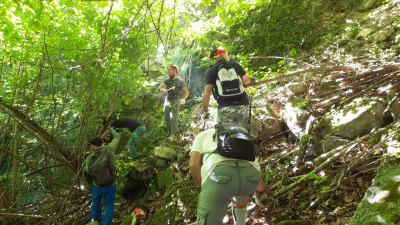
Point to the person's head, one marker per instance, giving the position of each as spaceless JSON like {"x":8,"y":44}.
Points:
{"x":172,"y":71}
{"x":219,"y":53}
{"x":95,"y":142}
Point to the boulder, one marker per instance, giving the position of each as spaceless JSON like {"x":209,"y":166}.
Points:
{"x":370,"y":4}
{"x":381,"y":201}
{"x":296,"y":88}
{"x":395,"y":109}
{"x":164,"y":152}
{"x":140,"y":166}
{"x":295,"y":118}
{"x":365,"y":33}
{"x":160,"y":163}
{"x":393,"y":148}
{"x":295,"y":222}
{"x":393,"y":144}
{"x":357,"y":118}
{"x":397,"y":39}
{"x":383,"y":34}
{"x":332,"y":142}
{"x":265,"y":126}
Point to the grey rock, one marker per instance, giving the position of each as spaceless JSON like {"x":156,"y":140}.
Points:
{"x":296,"y":88}
{"x":357,"y":118}
{"x":164,"y":152}
{"x":332,"y":142}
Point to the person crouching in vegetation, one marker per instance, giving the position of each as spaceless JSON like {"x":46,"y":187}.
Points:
{"x":135,"y":128}
{"x":99,"y":171}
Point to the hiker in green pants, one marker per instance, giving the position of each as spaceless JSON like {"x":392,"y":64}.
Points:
{"x":177,"y":93}
{"x":223,"y":180}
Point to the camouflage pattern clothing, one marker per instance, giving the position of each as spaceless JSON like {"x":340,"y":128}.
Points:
{"x":234,"y":114}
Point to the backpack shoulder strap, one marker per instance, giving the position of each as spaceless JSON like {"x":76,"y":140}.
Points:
{"x":221,"y":64}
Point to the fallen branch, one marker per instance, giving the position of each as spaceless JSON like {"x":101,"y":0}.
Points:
{"x":281,"y":58}
{"x":297,"y":73}
{"x":63,"y":154}
{"x":23,"y":162}
{"x":9,"y":214}
{"x":328,"y":158}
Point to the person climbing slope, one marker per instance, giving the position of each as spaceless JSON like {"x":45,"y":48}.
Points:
{"x":99,"y":171}
{"x":227,"y":80}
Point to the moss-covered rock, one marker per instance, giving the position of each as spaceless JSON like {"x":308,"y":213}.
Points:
{"x":164,"y":152}
{"x":182,"y":204}
{"x":381,"y":202}
{"x":357,"y":118}
{"x":295,"y":222}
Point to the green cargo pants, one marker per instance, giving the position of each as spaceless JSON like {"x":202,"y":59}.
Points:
{"x":171,"y":115}
{"x":226,"y":183}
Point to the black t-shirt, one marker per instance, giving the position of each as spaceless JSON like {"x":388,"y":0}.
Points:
{"x":211,"y":78}
{"x":174,"y":88}
{"x":130,"y":124}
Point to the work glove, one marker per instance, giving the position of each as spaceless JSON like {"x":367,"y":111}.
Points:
{"x":182,"y":101}
{"x":261,"y":200}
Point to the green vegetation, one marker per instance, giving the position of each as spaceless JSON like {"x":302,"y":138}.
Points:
{"x":64,"y":65}
{"x":380,"y":202}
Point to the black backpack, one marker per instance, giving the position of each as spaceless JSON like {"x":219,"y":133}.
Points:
{"x":228,"y":84}
{"x":235,"y":142}
{"x":101,"y":167}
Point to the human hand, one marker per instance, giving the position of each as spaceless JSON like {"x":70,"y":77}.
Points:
{"x":261,"y":200}
{"x":182,"y":101}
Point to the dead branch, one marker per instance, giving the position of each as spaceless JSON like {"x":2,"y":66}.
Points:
{"x":297,"y":73}
{"x":355,"y":85}
{"x":283,"y":58}
{"x":20,"y":214}
{"x":45,"y":168}
{"x":328,"y":158}
{"x":64,"y":155}
{"x":48,"y":178}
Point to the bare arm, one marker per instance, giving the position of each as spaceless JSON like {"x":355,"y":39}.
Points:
{"x":162,"y":86}
{"x":195,"y":167}
{"x":206,"y":96}
{"x":246,"y":80}
{"x":185,"y":92}
{"x":260,"y":188}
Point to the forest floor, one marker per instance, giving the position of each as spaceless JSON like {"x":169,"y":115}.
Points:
{"x":312,"y":201}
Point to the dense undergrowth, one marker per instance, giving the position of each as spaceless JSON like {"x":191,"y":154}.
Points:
{"x":65,"y":66}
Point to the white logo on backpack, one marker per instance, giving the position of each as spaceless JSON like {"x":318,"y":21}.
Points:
{"x":228,"y":83}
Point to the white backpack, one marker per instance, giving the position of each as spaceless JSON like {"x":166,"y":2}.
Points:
{"x":229,"y":84}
